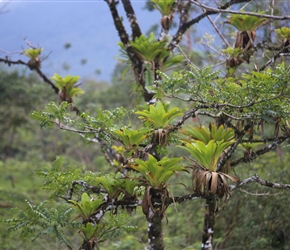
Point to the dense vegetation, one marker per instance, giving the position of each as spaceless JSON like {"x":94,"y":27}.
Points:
{"x":183,"y":150}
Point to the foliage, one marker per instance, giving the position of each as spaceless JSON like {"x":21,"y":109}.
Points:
{"x":33,"y":53}
{"x":283,"y":32}
{"x":213,"y":133}
{"x":245,"y":22}
{"x":131,"y":138}
{"x":41,"y":220}
{"x":51,"y":113}
{"x":207,"y":147}
{"x":159,"y":115}
{"x":110,"y":225}
{"x":156,"y":172}
{"x":207,"y":154}
{"x":164,"y":7}
{"x":67,"y":87}
{"x":67,"y":82}
{"x":151,"y":50}
{"x":118,"y":185}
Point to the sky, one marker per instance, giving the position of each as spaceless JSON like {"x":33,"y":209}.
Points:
{"x":50,"y":24}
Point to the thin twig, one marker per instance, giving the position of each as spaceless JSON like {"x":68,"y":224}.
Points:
{"x":262,"y":151}
{"x":214,"y":10}
{"x":274,"y":58}
{"x":187,"y":58}
{"x":218,"y":31}
{"x":257,"y":179}
{"x":259,"y":194}
{"x":245,"y":5}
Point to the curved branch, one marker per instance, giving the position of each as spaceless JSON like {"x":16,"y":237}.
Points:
{"x":38,"y":71}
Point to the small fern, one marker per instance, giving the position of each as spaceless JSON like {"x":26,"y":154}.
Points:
{"x":39,"y":218}
{"x":53,"y":113}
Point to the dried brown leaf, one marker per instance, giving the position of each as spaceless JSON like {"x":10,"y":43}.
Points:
{"x":214,"y":182}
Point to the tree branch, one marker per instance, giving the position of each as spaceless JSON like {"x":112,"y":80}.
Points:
{"x":257,"y":179}
{"x":189,"y":114}
{"x":85,"y":185}
{"x":223,"y":10}
{"x":130,"y":203}
{"x":38,"y":71}
{"x":218,"y":31}
{"x":232,"y":149}
{"x":138,"y":64}
{"x":260,"y":152}
{"x":274,"y":58}
{"x":136,"y":31}
{"x":183,"y":27}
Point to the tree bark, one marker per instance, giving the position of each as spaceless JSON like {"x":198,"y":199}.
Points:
{"x":209,"y":221}
{"x":155,"y":235}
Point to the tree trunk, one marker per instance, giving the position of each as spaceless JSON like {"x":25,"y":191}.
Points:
{"x":155,"y":235}
{"x":209,"y":221}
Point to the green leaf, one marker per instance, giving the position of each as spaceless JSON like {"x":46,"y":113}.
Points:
{"x":207,"y":154}
{"x":165,"y":7}
{"x":33,"y":53}
{"x":89,"y":230}
{"x":156,"y":172}
{"x":201,"y":134}
{"x":283,"y":32}
{"x":245,"y":22}
{"x":158,"y":116}
{"x":87,"y":205}
{"x":131,"y":138}
{"x":67,"y":84}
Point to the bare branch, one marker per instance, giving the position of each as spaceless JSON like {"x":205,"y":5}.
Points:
{"x":220,"y":10}
{"x":260,"y":152}
{"x":262,"y":182}
{"x":274,"y":58}
{"x":129,"y":203}
{"x":189,"y":114}
{"x":184,"y":14}
{"x":218,"y":31}
{"x":186,"y":57}
{"x":260,"y":140}
{"x":38,"y":71}
{"x":259,"y":194}
{"x":2,"y":8}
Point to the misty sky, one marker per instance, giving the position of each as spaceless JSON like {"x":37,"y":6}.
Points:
{"x":86,"y":25}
